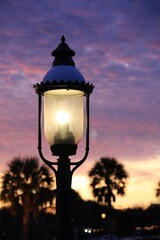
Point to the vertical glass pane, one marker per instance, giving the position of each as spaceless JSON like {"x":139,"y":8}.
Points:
{"x":63,"y":116}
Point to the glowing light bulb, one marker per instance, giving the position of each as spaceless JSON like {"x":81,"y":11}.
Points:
{"x":62,"y":117}
{"x":63,"y":135}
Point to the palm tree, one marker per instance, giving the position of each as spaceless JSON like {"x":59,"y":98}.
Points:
{"x":108,"y":179}
{"x":158,"y":190}
{"x":26,"y":184}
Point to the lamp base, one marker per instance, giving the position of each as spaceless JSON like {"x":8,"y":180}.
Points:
{"x":63,"y":149}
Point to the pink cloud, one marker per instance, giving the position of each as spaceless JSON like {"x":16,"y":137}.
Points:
{"x":116,"y":49}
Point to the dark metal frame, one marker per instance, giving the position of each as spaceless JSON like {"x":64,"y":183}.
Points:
{"x":87,"y":88}
{"x":65,"y":167}
{"x":51,"y":163}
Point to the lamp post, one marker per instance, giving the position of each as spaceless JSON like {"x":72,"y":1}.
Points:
{"x":64,"y":90}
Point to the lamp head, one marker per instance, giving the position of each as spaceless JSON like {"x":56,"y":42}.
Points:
{"x":63,"y":88}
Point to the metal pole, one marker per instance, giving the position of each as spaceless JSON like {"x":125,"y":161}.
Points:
{"x":63,"y":199}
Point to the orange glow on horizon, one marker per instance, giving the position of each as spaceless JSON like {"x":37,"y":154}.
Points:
{"x":141,"y":185}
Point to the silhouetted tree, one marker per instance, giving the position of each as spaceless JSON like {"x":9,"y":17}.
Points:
{"x":26,"y":184}
{"x":158,"y":190}
{"x":108,"y":179}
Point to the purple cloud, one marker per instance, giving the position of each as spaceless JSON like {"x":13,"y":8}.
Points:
{"x":117,"y":48}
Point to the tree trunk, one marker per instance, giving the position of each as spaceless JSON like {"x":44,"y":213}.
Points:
{"x":26,"y":215}
{"x":25,"y":230}
{"x":110,"y":213}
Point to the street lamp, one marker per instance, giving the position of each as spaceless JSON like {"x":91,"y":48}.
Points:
{"x":64,"y":90}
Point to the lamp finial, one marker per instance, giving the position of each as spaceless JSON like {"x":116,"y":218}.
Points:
{"x":63,"y":39}
{"x":63,"y":54}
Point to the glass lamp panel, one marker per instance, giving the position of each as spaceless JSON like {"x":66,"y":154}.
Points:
{"x":63,"y":116}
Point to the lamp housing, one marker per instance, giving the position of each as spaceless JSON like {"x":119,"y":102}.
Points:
{"x":64,"y":89}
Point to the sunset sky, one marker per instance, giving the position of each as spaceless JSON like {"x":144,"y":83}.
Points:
{"x":117,"y":45}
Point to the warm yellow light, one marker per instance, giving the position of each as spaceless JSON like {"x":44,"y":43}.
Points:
{"x":103,"y":215}
{"x":62,"y":117}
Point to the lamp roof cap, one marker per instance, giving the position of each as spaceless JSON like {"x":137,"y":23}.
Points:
{"x":63,"y":54}
{"x":63,"y":73}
